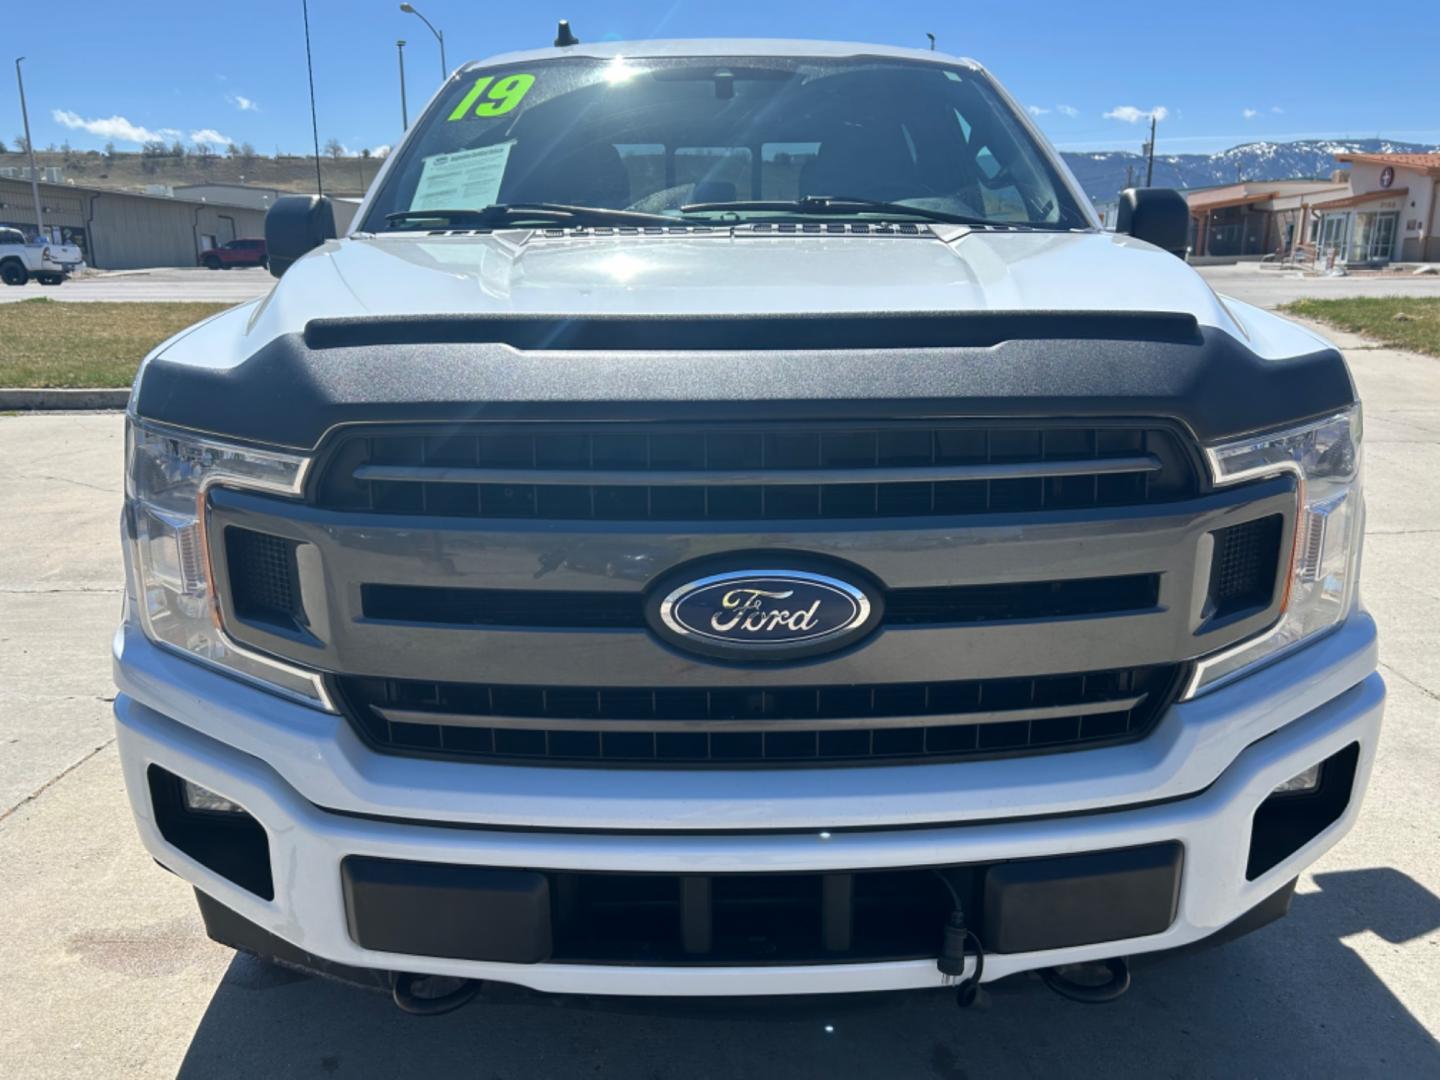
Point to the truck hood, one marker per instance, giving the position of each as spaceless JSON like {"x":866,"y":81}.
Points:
{"x":944,"y":269}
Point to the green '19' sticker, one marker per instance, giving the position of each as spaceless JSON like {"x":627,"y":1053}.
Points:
{"x":500,"y":96}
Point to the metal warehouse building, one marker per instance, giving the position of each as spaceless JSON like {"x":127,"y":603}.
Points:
{"x":123,"y":230}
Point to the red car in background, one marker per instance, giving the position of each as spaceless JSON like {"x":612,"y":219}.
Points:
{"x":236,"y":253}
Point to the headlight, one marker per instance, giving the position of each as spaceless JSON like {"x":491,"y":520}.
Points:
{"x":166,"y":477}
{"x":1325,"y":456}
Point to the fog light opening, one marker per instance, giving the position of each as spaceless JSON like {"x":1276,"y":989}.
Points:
{"x":1300,"y":809}
{"x":217,"y":833}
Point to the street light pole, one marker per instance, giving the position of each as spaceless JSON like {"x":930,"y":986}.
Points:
{"x":409,"y":9}
{"x":30,"y":148}
{"x":404,"y":109}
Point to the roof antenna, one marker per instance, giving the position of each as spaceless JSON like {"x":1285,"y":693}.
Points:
{"x":932,"y":40}
{"x":563,"y":37}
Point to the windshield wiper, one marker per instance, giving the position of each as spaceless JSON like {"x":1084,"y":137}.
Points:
{"x":839,"y":204}
{"x":502,"y":213}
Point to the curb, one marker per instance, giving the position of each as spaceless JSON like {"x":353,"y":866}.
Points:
{"x":63,"y":400}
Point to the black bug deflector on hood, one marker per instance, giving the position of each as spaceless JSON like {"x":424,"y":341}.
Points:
{"x":1055,"y":364}
{"x":935,"y":330}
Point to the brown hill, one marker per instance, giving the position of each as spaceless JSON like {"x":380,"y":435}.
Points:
{"x":134,"y":171}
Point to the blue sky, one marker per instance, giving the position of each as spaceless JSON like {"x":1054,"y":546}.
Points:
{"x":1219,"y":73}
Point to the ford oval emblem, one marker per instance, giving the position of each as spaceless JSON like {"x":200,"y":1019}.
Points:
{"x":765,"y":614}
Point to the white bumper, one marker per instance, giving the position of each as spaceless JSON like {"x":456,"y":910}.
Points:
{"x":1197,"y":779}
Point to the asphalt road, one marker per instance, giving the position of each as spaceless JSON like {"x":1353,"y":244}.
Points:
{"x":1266,"y":288}
{"x":173,"y":283}
{"x":107,"y":972}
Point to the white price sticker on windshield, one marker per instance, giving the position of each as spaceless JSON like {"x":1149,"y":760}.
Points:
{"x":466,"y":180}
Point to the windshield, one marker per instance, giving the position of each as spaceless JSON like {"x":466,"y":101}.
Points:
{"x":720,"y":141}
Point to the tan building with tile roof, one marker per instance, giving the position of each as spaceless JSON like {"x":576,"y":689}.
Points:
{"x":1389,"y":211}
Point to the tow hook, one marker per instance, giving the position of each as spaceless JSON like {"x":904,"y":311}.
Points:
{"x":431,"y":995}
{"x":1087,"y":990}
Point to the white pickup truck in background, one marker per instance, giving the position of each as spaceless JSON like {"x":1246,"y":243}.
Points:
{"x":49,"y":264}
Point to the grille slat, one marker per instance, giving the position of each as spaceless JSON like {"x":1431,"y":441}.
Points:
{"x":553,"y":723}
{"x":758,"y":726}
{"x":755,"y":472}
{"x":941,"y":605}
{"x":1024,"y":470}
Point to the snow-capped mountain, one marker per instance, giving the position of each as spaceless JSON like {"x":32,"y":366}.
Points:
{"x":1102,"y":172}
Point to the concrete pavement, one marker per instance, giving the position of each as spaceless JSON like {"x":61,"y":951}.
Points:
{"x":1271,"y":288}
{"x":109,"y":973}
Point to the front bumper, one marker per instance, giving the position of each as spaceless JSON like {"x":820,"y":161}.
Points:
{"x":1197,"y":781}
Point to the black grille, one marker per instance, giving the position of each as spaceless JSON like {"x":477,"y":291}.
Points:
{"x":738,"y":473}
{"x":625,"y":610}
{"x":1244,"y":564}
{"x":264,"y":581}
{"x":789,"y":726}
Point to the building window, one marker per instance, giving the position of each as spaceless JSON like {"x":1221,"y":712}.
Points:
{"x":1333,"y":231}
{"x":1372,"y":239}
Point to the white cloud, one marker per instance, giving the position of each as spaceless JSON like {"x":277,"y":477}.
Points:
{"x":119,"y":129}
{"x":1276,"y":109}
{"x":1249,"y":114}
{"x":1131,"y":115}
{"x":109,"y":127}
{"x":383,"y":150}
{"x":1036,"y":110}
{"x":1067,"y":110}
{"x":243,"y":103}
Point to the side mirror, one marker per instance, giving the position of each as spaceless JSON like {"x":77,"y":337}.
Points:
{"x":294,"y":225}
{"x":1159,"y":216}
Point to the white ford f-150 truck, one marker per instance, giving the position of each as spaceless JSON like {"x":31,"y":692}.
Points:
{"x":727,"y":520}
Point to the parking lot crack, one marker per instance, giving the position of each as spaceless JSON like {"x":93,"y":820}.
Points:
{"x":48,"y":784}
{"x":1431,"y":694}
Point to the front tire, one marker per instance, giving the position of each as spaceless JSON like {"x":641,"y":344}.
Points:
{"x":13,"y":272}
{"x":211,"y":264}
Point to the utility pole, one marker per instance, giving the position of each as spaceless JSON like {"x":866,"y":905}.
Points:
{"x":30,"y":149}
{"x":314,"y":124}
{"x":404,"y":109}
{"x":1150,"y":153}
